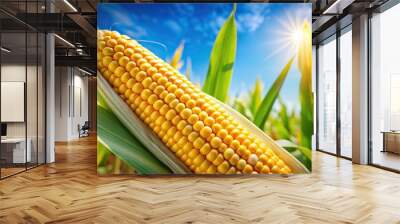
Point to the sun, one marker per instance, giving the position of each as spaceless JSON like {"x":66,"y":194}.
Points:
{"x":290,"y":36}
{"x":296,"y":37}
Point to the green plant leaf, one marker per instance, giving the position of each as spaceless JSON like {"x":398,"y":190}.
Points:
{"x":280,"y":131}
{"x":300,"y":157}
{"x":284,"y":115}
{"x":241,"y":108}
{"x":188,"y":68}
{"x":139,"y":129}
{"x":220,"y":69}
{"x":102,"y":154}
{"x":270,"y":98}
{"x":101,"y":101}
{"x":255,"y":96}
{"x":113,"y":135}
{"x":288,"y":144}
{"x":176,"y":58}
{"x":306,"y":96}
{"x":303,"y":154}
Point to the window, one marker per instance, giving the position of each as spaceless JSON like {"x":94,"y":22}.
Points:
{"x":327,"y":96}
{"x":22,"y":76}
{"x":385,"y":89}
{"x":346,"y":93}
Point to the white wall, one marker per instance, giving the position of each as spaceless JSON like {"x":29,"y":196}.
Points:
{"x":71,"y":102}
{"x":16,"y":72}
{"x":62,"y":81}
{"x":34,"y":125}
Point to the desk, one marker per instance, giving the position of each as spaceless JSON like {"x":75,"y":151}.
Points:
{"x":16,"y":147}
{"x":391,"y":141}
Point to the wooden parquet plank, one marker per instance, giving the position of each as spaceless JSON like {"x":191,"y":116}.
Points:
{"x":69,"y":191}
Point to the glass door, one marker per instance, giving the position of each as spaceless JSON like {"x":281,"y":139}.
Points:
{"x":14,"y":153}
{"x":385,"y":90}
{"x":22,"y":90}
{"x":346,"y":93}
{"x":326,"y":59}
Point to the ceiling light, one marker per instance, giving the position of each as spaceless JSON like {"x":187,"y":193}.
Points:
{"x":5,"y":50}
{"x":65,"y":41}
{"x":338,"y":6}
{"x":70,"y":5}
{"x":84,"y":71}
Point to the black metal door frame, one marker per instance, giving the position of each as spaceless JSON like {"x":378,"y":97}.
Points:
{"x":338,"y":152}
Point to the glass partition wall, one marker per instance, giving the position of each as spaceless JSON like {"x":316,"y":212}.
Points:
{"x":385,"y":90}
{"x":345,"y":91}
{"x":22,"y":77}
{"x":327,"y":96}
{"x":334,"y":94}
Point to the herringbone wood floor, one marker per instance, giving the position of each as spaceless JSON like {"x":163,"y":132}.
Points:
{"x":69,"y":191}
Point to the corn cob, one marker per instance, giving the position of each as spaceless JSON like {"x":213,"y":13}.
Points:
{"x":192,"y":124}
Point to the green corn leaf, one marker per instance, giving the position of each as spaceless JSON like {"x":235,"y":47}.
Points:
{"x":288,"y":144}
{"x":303,"y":154}
{"x":103,"y":155}
{"x":284,"y":115}
{"x":176,"y":61}
{"x":300,"y":157}
{"x":220,"y":69}
{"x":188,"y":68}
{"x":269,"y":99}
{"x":255,"y":96}
{"x":306,"y":96}
{"x":241,"y":108}
{"x":139,"y":129}
{"x":280,"y":131}
{"x":101,"y":101}
{"x":113,"y":135}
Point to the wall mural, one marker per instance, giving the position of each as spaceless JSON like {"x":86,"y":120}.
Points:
{"x":216,"y":88}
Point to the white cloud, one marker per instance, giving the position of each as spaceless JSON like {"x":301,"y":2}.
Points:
{"x":127,"y":20}
{"x":248,"y":19}
{"x":184,"y":8}
{"x":217,"y":23}
{"x":127,"y":24}
{"x":251,"y":18}
{"x":248,"y":22}
{"x":174,"y":26}
{"x":135,"y":32}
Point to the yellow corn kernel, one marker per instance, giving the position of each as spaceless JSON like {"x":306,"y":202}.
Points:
{"x":205,"y":149}
{"x":198,"y":160}
{"x":228,"y":153}
{"x":205,"y":132}
{"x":265,"y":170}
{"x":212,"y":155}
{"x":211,"y":169}
{"x":223,"y":167}
{"x":204,"y":166}
{"x":241,"y":164}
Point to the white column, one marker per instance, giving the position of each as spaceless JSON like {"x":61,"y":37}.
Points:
{"x":50,"y":100}
{"x":50,"y":92}
{"x":360,"y":89}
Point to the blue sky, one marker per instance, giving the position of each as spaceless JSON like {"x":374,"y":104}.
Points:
{"x":262,"y":35}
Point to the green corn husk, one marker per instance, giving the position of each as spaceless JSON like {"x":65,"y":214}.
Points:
{"x":139,"y":129}
{"x":116,"y":138}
